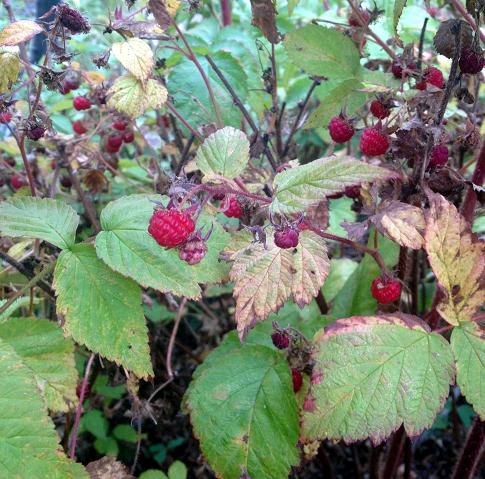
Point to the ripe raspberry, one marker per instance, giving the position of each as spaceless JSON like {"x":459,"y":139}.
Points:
{"x":434,"y":77}
{"x":385,"y":290}
{"x":340,"y":129}
{"x":5,"y":117}
{"x":112,"y":149}
{"x":64,"y":89}
{"x":233,"y":208}
{"x":471,"y":61}
{"x":17,"y":182}
{"x":193,"y":251}
{"x":379,"y":110}
{"x":171,"y":227}
{"x":35,"y":132}
{"x":439,"y":156}
{"x":115,"y":141}
{"x":281,"y":339}
{"x":286,"y":238}
{"x":398,"y":71}
{"x":297,"y":379}
{"x":73,"y":20}
{"x":65,"y":181}
{"x":354,"y":20}
{"x":120,"y":125}
{"x":81,"y":103}
{"x":373,"y":142}
{"x":79,"y":128}
{"x":128,"y":137}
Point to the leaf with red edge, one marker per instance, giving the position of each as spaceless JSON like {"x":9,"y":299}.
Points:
{"x":19,"y":32}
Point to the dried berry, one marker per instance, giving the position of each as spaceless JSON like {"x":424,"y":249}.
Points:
{"x":73,"y":20}
{"x":286,"y":238}
{"x":439,"y":156}
{"x":354,"y":20}
{"x":340,"y":129}
{"x":193,"y":251}
{"x":170,"y":227}
{"x":35,"y":132}
{"x":445,"y":38}
{"x":373,"y":142}
{"x":471,"y":61}
{"x":385,"y":290}
{"x":281,"y":339}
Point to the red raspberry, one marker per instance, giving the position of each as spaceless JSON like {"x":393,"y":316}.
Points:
{"x":120,"y":125}
{"x":35,"y":132}
{"x":352,"y":191}
{"x":5,"y":117}
{"x":17,"y":182}
{"x":398,"y":71}
{"x":373,"y":142}
{"x":286,"y":238}
{"x":81,"y":103}
{"x":128,"y":137}
{"x":233,"y":208}
{"x":111,"y":149}
{"x":439,"y":156}
{"x":281,"y":339}
{"x":193,"y":251}
{"x":64,"y":89}
{"x":385,"y":290}
{"x":115,"y":141}
{"x":354,"y":20}
{"x":170,"y":227}
{"x":379,"y":110}
{"x":471,"y":61}
{"x":79,"y":128}
{"x":297,"y":379}
{"x":434,"y":77}
{"x":340,"y":129}
{"x":65,"y":181}
{"x":72,"y":83}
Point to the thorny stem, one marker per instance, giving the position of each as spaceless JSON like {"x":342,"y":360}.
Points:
{"x":421,"y":43}
{"x":79,"y":409}
{"x":472,"y":452}
{"x":184,"y":122}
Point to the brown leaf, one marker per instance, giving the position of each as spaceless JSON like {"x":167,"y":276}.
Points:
{"x":19,"y":32}
{"x":163,"y":11}
{"x":108,"y":468}
{"x":264,"y":17}
{"x":457,"y":259}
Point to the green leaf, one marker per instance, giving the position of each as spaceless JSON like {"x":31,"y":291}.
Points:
{"x":323,"y":51}
{"x":153,"y":474}
{"x":124,"y":432}
{"x":244,"y":412}
{"x":224,"y":153}
{"x":102,"y":309}
{"x":177,"y":470}
{"x":340,"y":210}
{"x":28,"y":441}
{"x":468,"y":344}
{"x":340,"y":271}
{"x":298,"y":188}
{"x":49,"y":357}
{"x":373,"y":374}
{"x":96,"y":423}
{"x":107,"y":446}
{"x":42,"y":218}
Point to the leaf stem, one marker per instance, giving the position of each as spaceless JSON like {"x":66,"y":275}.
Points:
{"x":184,"y":122}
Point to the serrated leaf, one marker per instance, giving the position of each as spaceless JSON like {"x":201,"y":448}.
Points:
{"x":245,"y":414}
{"x":224,"y":153}
{"x":49,"y":357}
{"x":400,"y":222}
{"x":28,"y":440}
{"x":398,"y":8}
{"x":298,"y":188}
{"x":42,"y":218}
{"x":468,"y":345}
{"x":130,"y":96}
{"x":266,"y":277}
{"x":9,"y":68}
{"x":457,"y":260}
{"x":323,"y":51}
{"x":178,"y":470}
{"x":373,"y":374}
{"x":163,"y":11}
{"x":102,"y":309}
{"x":19,"y":32}
{"x":136,"y":56}
{"x":153,"y":474}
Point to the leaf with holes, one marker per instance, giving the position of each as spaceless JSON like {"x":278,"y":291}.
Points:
{"x":457,"y":259}
{"x":373,"y":374}
{"x":42,"y":218}
{"x":19,"y":32}
{"x":298,"y":188}
{"x":136,"y":56}
{"x":468,"y":345}
{"x":102,"y":309}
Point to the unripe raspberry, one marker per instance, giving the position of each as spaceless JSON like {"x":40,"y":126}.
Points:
{"x":17,"y":182}
{"x":286,"y":238}
{"x":170,"y":227}
{"x":434,"y":77}
{"x":373,"y":142}
{"x":120,"y":125}
{"x":281,"y":339}
{"x":471,"y":61}
{"x":439,"y":156}
{"x":297,"y":379}
{"x":73,"y":20}
{"x":340,"y":129}
{"x":81,"y":103}
{"x":5,"y":117}
{"x":233,"y":208}
{"x":79,"y":128}
{"x":35,"y":132}
{"x":379,"y":110}
{"x":193,"y":251}
{"x":128,"y":137}
{"x":385,"y":290}
{"x":115,"y":141}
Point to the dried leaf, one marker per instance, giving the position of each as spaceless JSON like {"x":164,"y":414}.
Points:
{"x":457,"y":259}
{"x":136,"y":56}
{"x":401,"y":223}
{"x":264,"y":18}
{"x":9,"y":68}
{"x":108,"y":468}
{"x":19,"y":32}
{"x":163,"y":11}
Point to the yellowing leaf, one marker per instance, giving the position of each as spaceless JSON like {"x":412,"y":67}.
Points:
{"x":130,"y":96}
{"x":266,"y":277}
{"x":9,"y":68}
{"x":163,"y":11}
{"x":401,"y":223}
{"x":457,"y":259}
{"x":95,"y":77}
{"x":19,"y":32}
{"x":136,"y":56}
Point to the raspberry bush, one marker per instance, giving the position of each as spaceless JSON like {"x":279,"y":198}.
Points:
{"x":242,"y":240}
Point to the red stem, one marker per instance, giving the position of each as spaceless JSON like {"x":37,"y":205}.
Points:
{"x":470,"y":202}
{"x":182,"y":119}
{"x":472,"y":452}
{"x":226,"y":12}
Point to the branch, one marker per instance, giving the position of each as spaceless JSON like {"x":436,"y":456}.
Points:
{"x":184,"y":122}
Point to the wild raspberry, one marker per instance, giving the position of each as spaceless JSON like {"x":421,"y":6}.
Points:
{"x":73,"y":20}
{"x":352,"y":191}
{"x":354,"y":20}
{"x":79,"y":128}
{"x":373,"y":142}
{"x":128,"y":137}
{"x":72,"y":80}
{"x":439,"y":156}
{"x":431,"y":76}
{"x":193,"y":251}
{"x":398,"y":70}
{"x":379,"y":110}
{"x":81,"y":103}
{"x":65,"y":181}
{"x":64,"y":89}
{"x":297,"y":379}
{"x":471,"y":61}
{"x":35,"y":132}
{"x":17,"y":182}
{"x":281,"y":339}
{"x":340,"y":129}
{"x":170,"y":227}
{"x":286,"y":238}
{"x":115,"y":141}
{"x":233,"y":208}
{"x":5,"y":117}
{"x":385,"y":290}
{"x":120,"y":125}
{"x":112,"y":148}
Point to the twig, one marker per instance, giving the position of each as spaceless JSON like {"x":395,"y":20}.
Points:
{"x":421,"y":43}
{"x":185,"y":155}
{"x":184,"y":122}
{"x":79,"y":409}
{"x":226,"y":12}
